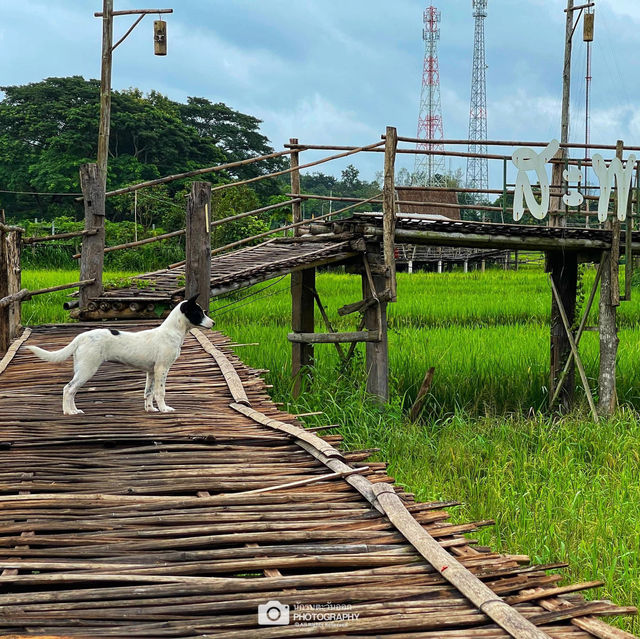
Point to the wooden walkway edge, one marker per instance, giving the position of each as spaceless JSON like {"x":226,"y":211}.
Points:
{"x":121,"y":523}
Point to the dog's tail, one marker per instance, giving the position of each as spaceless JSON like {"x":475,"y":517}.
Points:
{"x":55,"y":356}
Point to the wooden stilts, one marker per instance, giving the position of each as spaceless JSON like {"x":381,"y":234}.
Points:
{"x":563,"y":270}
{"x":303,"y":286}
{"x":377,"y":353}
{"x":574,"y":349}
{"x":609,"y":301}
{"x":579,"y":332}
{"x":608,"y":341}
{"x":4,"y":292}
{"x":92,"y":256}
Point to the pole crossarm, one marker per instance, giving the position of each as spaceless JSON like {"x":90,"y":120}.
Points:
{"x":132,"y":12}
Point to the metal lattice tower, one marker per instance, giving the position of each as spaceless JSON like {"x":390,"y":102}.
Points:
{"x":429,"y":169}
{"x":477,"y":168}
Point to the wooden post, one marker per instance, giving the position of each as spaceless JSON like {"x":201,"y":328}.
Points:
{"x":4,"y":292}
{"x":198,"y":240}
{"x":563,"y":269}
{"x":303,"y":286}
{"x":389,"y":210}
{"x":375,"y":319}
{"x":10,"y":283}
{"x":105,"y":88}
{"x":92,"y":257}
{"x":296,"y":207}
{"x":609,"y":301}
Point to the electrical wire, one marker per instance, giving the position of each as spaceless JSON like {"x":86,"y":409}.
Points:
{"x":252,"y":294}
{"x":284,"y":289}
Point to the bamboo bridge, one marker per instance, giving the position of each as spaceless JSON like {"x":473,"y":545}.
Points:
{"x":197,"y":523}
{"x":120,"y":523}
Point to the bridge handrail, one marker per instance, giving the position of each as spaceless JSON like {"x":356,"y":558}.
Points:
{"x":26,"y":294}
{"x":287,"y":227}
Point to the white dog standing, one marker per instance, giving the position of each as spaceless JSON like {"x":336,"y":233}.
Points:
{"x":153,"y":351}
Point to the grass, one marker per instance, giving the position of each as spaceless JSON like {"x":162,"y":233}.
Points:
{"x":559,"y":489}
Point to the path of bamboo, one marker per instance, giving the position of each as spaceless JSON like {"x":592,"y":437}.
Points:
{"x":119,"y":523}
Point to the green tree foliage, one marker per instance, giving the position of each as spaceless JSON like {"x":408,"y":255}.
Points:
{"x":349,"y":185}
{"x":49,"y":128}
{"x":232,"y":201}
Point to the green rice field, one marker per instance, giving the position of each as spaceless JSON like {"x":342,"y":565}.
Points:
{"x":558,"y":488}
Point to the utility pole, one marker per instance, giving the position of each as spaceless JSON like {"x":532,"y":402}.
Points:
{"x":94,"y":181}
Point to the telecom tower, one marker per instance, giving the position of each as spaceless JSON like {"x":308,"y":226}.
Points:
{"x":429,"y":168}
{"x":477,"y":168}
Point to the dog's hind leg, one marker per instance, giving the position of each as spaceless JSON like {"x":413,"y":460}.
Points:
{"x":84,"y":370}
{"x":160,"y":374}
{"x":148,"y":394}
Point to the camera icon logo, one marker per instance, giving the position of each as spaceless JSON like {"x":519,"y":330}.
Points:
{"x":273,"y":613}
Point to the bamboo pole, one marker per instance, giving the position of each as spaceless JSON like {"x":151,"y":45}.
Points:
{"x":307,"y":482}
{"x":26,"y":294}
{"x":58,"y":236}
{"x":230,"y":165}
{"x":148,"y":240}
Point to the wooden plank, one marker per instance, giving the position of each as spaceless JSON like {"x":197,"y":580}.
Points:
{"x":452,"y":570}
{"x":334,"y":338}
{"x":231,"y":377}
{"x":13,"y":349}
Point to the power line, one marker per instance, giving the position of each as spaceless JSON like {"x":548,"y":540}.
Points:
{"x":36,"y":193}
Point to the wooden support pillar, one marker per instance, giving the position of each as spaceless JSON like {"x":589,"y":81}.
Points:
{"x":389,"y":212}
{"x":92,"y":256}
{"x":608,"y":341}
{"x":375,"y":321}
{"x":198,"y":239}
{"x":303,"y":286}
{"x":377,"y":353}
{"x":609,"y":302}
{"x":10,"y":283}
{"x":563,"y":268}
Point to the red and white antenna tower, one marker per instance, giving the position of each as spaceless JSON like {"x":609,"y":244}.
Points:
{"x":429,"y":168}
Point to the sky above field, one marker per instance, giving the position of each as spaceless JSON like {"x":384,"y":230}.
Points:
{"x":338,"y":72}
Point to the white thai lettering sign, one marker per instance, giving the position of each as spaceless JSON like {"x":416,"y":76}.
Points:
{"x":526,"y":159}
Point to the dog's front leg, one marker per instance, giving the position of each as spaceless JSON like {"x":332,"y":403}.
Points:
{"x":160,"y":374}
{"x":148,"y":394}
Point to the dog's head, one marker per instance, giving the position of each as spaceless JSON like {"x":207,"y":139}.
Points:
{"x":194,"y":313}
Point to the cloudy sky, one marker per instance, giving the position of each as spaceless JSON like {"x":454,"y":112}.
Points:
{"x":329,"y":71}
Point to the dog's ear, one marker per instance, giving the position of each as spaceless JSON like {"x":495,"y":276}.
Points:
{"x":192,"y":299}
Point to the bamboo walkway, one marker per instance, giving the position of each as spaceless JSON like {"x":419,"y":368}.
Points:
{"x":119,"y":523}
{"x":151,"y":292}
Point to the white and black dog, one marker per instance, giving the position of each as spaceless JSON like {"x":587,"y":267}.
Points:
{"x":153,"y":351}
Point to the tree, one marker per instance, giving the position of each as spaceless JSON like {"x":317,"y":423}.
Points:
{"x":231,"y":201}
{"x":49,"y":128}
